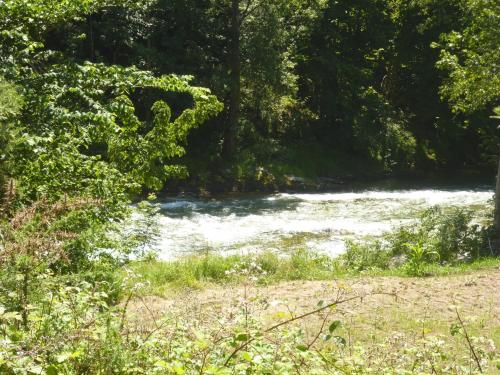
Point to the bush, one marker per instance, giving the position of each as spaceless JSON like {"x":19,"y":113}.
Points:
{"x":451,"y":234}
{"x":361,"y":256}
{"x":438,"y":237}
{"x":57,"y":321}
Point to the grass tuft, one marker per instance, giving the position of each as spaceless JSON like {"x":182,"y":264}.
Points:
{"x":268,"y":267}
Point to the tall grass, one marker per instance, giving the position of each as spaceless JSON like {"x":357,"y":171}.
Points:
{"x":268,"y":268}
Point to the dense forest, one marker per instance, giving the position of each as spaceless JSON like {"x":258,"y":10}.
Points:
{"x":106,"y":102}
{"x":310,"y":88}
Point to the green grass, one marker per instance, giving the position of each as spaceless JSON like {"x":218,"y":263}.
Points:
{"x":201,"y":270}
{"x":268,"y":267}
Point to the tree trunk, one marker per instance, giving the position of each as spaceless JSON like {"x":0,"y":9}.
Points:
{"x":235,"y":78}
{"x":497,"y":203}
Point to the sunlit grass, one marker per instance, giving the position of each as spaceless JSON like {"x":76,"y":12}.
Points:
{"x":269,"y":267}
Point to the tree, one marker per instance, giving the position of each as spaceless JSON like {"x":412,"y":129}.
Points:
{"x":84,"y":130}
{"x":245,"y":50}
{"x":497,"y":191}
{"x":497,"y":201}
{"x":262,"y":57}
{"x":472,"y":58}
{"x":342,"y":78}
{"x":411,"y":81}
{"x":234,"y":65}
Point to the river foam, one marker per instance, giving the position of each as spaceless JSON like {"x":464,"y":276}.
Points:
{"x":279,"y":222}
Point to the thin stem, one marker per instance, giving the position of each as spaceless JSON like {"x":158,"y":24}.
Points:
{"x":469,"y":342}
{"x":286,"y":322}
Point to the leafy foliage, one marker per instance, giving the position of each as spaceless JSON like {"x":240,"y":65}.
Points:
{"x":73,"y":330}
{"x":472,"y":57}
{"x":94,"y":128}
{"x":438,"y":237}
{"x":10,"y":103}
{"x":91,"y":116}
{"x":79,"y":120}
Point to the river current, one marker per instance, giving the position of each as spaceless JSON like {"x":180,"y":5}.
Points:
{"x":281,"y":222}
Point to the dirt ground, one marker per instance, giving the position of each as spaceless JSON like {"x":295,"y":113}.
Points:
{"x":384,"y":303}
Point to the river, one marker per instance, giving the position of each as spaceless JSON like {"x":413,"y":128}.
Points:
{"x":281,"y":222}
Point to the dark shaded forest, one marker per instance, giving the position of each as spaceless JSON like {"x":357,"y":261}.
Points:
{"x":310,"y":88}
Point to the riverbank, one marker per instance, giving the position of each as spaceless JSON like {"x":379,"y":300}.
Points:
{"x":294,"y":309}
{"x":210,"y":270}
{"x":272,"y":180}
{"x":472,"y":289}
{"x":389,"y":323}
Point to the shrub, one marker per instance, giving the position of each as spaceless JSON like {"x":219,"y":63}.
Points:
{"x":438,"y":237}
{"x":417,"y":257}
{"x":451,"y":234}
{"x":362,"y":256}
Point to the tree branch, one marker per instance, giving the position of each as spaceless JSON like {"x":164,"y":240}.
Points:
{"x":299,"y":317}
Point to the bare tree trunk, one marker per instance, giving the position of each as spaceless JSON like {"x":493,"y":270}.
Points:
{"x":497,"y":203}
{"x":235,"y":88}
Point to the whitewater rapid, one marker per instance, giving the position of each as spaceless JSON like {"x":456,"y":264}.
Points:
{"x":322,"y":222}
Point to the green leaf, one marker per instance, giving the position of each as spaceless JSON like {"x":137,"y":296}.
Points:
{"x":334,"y":326}
{"x":63,"y":357}
{"x":455,"y":329}
{"x":35,"y":370}
{"x":242,"y":337}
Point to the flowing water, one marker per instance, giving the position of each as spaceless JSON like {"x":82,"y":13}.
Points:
{"x":281,"y":222}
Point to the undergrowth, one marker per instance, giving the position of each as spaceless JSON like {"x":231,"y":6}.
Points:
{"x":73,"y":330}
